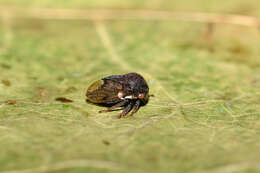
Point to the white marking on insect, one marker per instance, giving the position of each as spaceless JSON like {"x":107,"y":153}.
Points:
{"x":120,"y":95}
{"x":130,"y":97}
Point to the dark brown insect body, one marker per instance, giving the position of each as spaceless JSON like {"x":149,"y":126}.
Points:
{"x":129,"y":91}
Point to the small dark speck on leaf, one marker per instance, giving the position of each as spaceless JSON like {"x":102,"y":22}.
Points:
{"x":10,"y":102}
{"x":106,"y":142}
{"x":6,"y":66}
{"x":60,"y":78}
{"x":63,"y":99}
{"x":6,"y":82}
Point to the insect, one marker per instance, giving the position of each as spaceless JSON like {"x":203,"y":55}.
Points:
{"x":129,"y":91}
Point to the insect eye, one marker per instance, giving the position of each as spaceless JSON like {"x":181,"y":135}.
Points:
{"x":141,"y":96}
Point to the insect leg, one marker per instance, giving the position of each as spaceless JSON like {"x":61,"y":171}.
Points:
{"x":136,"y":107}
{"x":127,"y":109}
{"x":122,"y":103}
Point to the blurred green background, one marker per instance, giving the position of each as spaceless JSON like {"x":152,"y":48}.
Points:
{"x":204,"y":75}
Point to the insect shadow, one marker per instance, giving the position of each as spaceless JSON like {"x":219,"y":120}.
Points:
{"x":104,"y":105}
